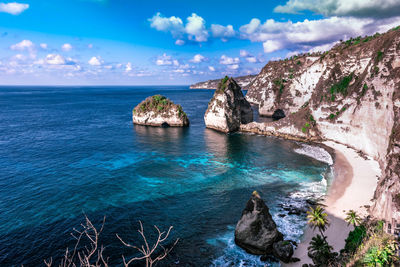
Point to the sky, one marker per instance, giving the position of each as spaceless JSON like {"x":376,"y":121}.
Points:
{"x":171,"y":42}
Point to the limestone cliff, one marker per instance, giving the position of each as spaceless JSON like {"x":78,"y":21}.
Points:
{"x":228,"y":108}
{"x":350,"y":94}
{"x":158,"y":110}
{"x":242,"y":81}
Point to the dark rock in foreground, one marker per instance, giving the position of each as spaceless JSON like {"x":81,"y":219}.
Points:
{"x":283,"y":250}
{"x":159,"y":111}
{"x":256,"y":231}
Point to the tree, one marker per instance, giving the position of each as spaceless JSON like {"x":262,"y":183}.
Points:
{"x":147,"y":250}
{"x":353,"y":218}
{"x":91,"y":254}
{"x":318,"y":218}
{"x":320,"y":251}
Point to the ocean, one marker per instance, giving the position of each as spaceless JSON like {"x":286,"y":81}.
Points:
{"x":66,"y":152}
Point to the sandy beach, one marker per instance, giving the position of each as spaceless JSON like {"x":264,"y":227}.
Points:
{"x":352,"y":188}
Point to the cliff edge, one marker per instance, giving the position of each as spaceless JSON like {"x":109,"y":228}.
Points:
{"x":350,"y":95}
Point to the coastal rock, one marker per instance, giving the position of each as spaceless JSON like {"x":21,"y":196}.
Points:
{"x":228,"y":108}
{"x":159,"y":111}
{"x":283,"y":250}
{"x":278,"y":114}
{"x":242,"y":81}
{"x":349,"y":95}
{"x":256,"y":231}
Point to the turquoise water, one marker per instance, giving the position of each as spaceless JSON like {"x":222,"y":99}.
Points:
{"x":66,"y":151}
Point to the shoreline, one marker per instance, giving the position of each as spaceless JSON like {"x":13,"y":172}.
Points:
{"x":353,"y":187}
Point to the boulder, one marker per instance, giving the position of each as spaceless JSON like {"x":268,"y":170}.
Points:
{"x":228,"y":108}
{"x":159,"y":111}
{"x":256,"y":231}
{"x":283,"y":250}
{"x":278,"y":114}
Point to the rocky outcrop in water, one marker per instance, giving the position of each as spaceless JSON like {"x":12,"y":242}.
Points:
{"x":242,"y":81}
{"x":350,"y":95}
{"x":158,"y":110}
{"x":228,"y":108}
{"x":256,"y":231}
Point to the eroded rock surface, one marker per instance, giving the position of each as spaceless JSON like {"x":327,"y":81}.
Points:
{"x":350,"y":95}
{"x":159,"y":111}
{"x":228,"y":108}
{"x":256,"y":231}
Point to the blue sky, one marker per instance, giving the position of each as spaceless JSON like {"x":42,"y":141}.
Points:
{"x":134,"y":42}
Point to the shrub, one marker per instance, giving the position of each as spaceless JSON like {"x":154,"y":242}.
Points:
{"x":379,"y":55}
{"x":341,"y":87}
{"x":304,"y":130}
{"x":331,"y":116}
{"x":355,"y":238}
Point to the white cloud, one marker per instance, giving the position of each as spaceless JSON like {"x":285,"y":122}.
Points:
{"x":223,"y":32}
{"x":304,"y":35}
{"x":164,"y":60}
{"x":13,"y":8}
{"x":90,"y":46}
{"x":43,"y":46}
{"x":211,"y":68}
{"x":95,"y":61}
{"x":233,"y":67}
{"x":251,"y":59}
{"x":225,"y":60}
{"x":355,"y":8}
{"x":196,"y":29}
{"x":244,"y":53}
{"x":23,"y":45}
{"x":173,"y":24}
{"x":66,"y":47}
{"x":175,"y":62}
{"x":55,"y":59}
{"x":179,"y":42}
{"x":128,"y":67}
{"x":272,"y":45}
{"x":197,"y":59}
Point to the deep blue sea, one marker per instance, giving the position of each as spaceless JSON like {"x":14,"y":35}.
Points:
{"x":70,"y":151}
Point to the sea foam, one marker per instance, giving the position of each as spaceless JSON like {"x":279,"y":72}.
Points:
{"x":315,"y":152}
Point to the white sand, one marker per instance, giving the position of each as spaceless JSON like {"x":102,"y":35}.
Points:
{"x":353,"y":188}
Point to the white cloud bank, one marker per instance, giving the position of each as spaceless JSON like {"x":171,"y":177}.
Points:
{"x":23,"y":45}
{"x":13,"y":8}
{"x":95,"y":61}
{"x":354,"y":8}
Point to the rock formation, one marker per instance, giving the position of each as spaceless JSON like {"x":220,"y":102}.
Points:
{"x":256,"y":231}
{"x":158,"y":110}
{"x":283,"y":250}
{"x":242,"y":81}
{"x":228,"y":108}
{"x":350,"y":94}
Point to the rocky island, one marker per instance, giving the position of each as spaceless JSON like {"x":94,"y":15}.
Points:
{"x":228,"y":108}
{"x":242,"y":81}
{"x":158,"y":110}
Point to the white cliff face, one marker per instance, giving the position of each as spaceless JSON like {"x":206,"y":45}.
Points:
{"x":159,"y":111}
{"x":350,"y":95}
{"x":228,"y":108}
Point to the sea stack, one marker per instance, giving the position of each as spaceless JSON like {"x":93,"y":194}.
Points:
{"x":256,"y":231}
{"x":228,"y":108}
{"x":159,"y":111}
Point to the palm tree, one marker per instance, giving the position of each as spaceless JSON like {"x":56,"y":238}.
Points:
{"x":353,"y":218}
{"x":320,"y":251}
{"x":318,"y":218}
